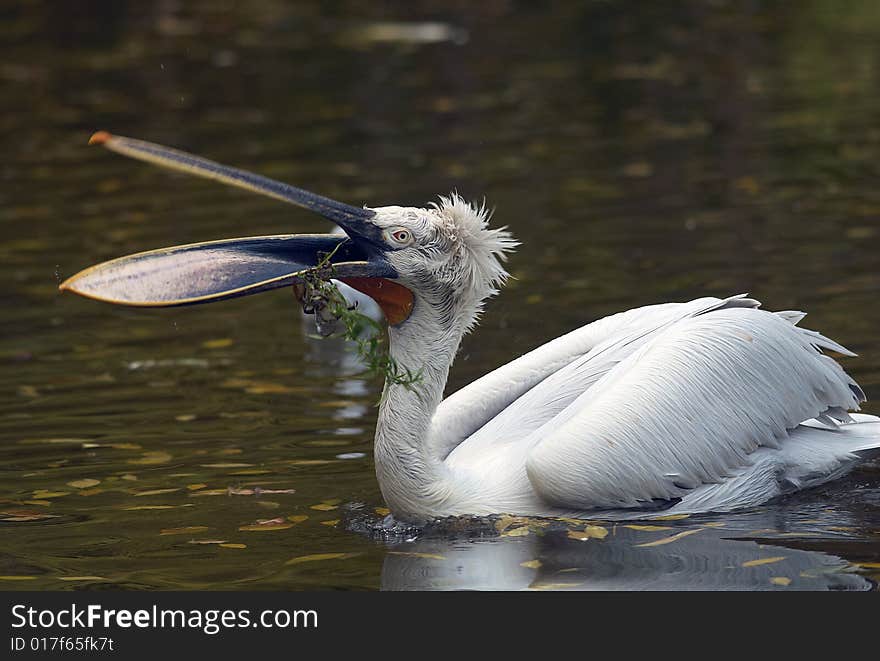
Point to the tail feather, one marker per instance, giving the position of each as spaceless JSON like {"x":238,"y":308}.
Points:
{"x":811,"y":455}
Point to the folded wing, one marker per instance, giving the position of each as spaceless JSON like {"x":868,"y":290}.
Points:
{"x":686,"y":408}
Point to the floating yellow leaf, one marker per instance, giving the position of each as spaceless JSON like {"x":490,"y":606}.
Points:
{"x":124,"y":446}
{"x":553,"y":586}
{"x":91,"y":492}
{"x":53,"y":441}
{"x":298,"y":518}
{"x":185,"y":530}
{"x":221,"y":343}
{"x":41,"y":503}
{"x":670,"y":517}
{"x":252,"y":471}
{"x":590,"y":532}
{"x":233,"y":546}
{"x":235,"y":491}
{"x":45,"y":494}
{"x":331,"y":522}
{"x":382,"y":511}
{"x":186,"y":417}
{"x":522,"y":531}
{"x":195,"y":487}
{"x":226,"y":465}
{"x":84,"y":483}
{"x":156,"y":492}
{"x":307,"y":462}
{"x":262,"y":388}
{"x":317,"y":557}
{"x":210,"y":492}
{"x":505,"y":521}
{"x":531,"y":564}
{"x":267,"y":524}
{"x":324,"y":507}
{"x":82,"y":578}
{"x":151,"y":459}
{"x":415,"y":554}
{"x":763,"y":561}
{"x":647,"y":528}
{"x":868,"y":565}
{"x":780,"y":580}
{"x":17,"y":578}
{"x":671,"y":538}
{"x":207,"y":541}
{"x":21,"y":516}
{"x":128,"y":477}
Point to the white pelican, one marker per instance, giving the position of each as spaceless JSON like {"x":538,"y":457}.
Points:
{"x":709,"y":405}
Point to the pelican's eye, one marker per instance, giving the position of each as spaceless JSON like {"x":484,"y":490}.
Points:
{"x":399,"y":236}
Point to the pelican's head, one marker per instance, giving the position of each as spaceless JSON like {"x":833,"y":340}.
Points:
{"x":444,"y":255}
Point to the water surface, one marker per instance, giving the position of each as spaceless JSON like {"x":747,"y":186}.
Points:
{"x":694,"y":149}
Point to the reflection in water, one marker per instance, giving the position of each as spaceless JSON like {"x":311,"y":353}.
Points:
{"x":630,"y":557}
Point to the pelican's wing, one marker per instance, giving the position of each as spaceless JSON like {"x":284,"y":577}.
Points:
{"x":686,"y":408}
{"x":511,"y":402}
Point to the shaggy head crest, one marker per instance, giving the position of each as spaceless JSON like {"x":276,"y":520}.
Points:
{"x":473,"y":250}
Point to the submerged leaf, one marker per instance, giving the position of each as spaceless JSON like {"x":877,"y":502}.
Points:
{"x":184,"y":530}
{"x":763,"y":561}
{"x":317,"y":557}
{"x":84,"y":483}
{"x":156,"y":492}
{"x":210,"y":492}
{"x":646,"y":528}
{"x":151,"y":459}
{"x":522,"y":531}
{"x":670,"y":517}
{"x":45,"y":494}
{"x":415,"y":554}
{"x":671,"y":538}
{"x":221,"y":343}
{"x":590,"y":532}
{"x":267,"y":524}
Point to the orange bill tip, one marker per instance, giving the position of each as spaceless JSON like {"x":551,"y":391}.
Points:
{"x":99,"y":138}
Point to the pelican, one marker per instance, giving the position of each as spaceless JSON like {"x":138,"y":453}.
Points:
{"x":708,"y":405}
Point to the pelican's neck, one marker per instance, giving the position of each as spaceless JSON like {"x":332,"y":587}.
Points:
{"x":415,"y":482}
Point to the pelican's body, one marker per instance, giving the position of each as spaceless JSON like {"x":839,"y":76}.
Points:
{"x":709,"y":405}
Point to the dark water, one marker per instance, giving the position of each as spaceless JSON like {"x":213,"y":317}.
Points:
{"x":641,"y":155}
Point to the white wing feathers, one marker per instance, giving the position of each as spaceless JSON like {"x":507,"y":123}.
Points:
{"x":509,"y":404}
{"x":465,"y":412}
{"x":686,"y":408}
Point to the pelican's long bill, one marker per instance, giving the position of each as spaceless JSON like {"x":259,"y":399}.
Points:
{"x":217,"y":270}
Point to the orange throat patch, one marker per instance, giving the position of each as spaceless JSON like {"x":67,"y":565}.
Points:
{"x":395,"y":300}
